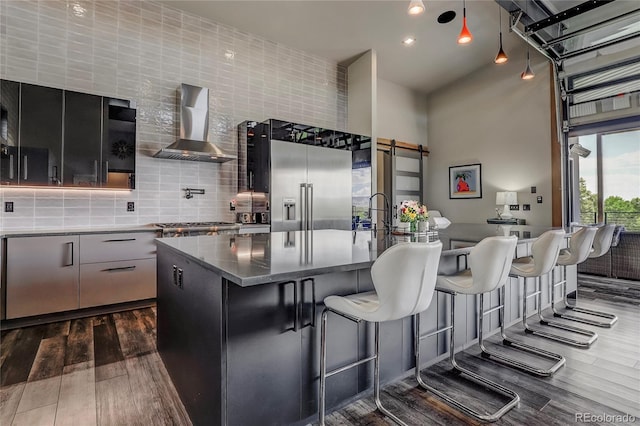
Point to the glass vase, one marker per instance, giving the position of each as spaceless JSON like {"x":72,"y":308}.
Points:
{"x":414,"y":226}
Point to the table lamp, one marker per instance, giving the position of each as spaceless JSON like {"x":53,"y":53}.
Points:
{"x":506,"y":198}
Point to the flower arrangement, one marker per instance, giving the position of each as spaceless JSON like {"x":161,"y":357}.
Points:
{"x":412,"y":211}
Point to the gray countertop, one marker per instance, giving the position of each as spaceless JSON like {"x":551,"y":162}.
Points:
{"x":78,"y":231}
{"x":262,"y":258}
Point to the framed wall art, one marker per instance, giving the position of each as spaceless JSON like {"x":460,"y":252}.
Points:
{"x":465,"y":181}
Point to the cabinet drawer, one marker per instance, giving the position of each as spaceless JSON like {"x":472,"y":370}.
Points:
{"x":116,"y":282}
{"x":112,"y":247}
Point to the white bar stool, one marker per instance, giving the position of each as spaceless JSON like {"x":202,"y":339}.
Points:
{"x":404,"y":277}
{"x":489,"y":272}
{"x":490,"y":261}
{"x":544,"y":255}
{"x":578,"y":252}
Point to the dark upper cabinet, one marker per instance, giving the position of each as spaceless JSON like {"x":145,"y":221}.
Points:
{"x":9,"y":113}
{"x":82,"y":139}
{"x":57,"y":137}
{"x":40,"y":139}
{"x":118,"y":143}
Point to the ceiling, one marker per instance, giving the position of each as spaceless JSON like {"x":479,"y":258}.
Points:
{"x":343,"y":30}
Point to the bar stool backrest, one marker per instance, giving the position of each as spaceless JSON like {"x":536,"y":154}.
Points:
{"x":490,"y":262}
{"x":404,"y":277}
{"x":602,"y":240}
{"x":545,"y":251}
{"x":580,"y":245}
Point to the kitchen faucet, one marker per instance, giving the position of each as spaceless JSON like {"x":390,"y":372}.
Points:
{"x":386,"y":219}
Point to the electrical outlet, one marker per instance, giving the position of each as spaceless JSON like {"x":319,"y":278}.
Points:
{"x":131,"y":206}
{"x":533,"y":189}
{"x":539,"y":199}
{"x":526,"y":207}
{"x":514,"y":207}
{"x":8,"y":206}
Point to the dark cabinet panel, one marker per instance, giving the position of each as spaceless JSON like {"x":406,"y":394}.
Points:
{"x":82,"y":139}
{"x":9,"y":121}
{"x":40,"y":135}
{"x":190,"y":334}
{"x":263,"y":354}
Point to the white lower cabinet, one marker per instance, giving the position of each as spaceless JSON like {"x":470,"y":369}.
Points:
{"x":116,"y":282}
{"x":42,"y":275}
{"x":48,"y":274}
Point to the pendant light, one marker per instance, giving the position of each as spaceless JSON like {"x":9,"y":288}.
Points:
{"x":501,"y":57}
{"x":465,"y":36}
{"x":527,"y":74}
{"x":416,"y":7}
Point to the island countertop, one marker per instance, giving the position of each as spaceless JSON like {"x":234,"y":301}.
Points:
{"x":253,"y":259}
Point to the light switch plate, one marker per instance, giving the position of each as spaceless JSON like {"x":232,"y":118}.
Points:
{"x":8,"y":206}
{"x":514,"y":207}
{"x":131,"y":206}
{"x":526,"y":207}
{"x":533,"y":189}
{"x":539,"y":199}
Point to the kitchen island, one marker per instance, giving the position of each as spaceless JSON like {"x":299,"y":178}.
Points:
{"x":238,"y":318}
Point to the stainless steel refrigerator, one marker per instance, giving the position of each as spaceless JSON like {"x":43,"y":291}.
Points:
{"x":310,"y":187}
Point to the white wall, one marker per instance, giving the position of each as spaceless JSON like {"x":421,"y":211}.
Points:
{"x":494,"y":118}
{"x":142,"y":51}
{"x":402,"y":113}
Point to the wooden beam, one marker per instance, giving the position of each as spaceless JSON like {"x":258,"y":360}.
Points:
{"x":385,"y":145}
{"x":556,"y":158}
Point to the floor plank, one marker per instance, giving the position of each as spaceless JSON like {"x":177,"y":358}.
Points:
{"x":133,"y":335}
{"x":49,"y":360}
{"x":9,"y":399}
{"x":19,"y":360}
{"x":77,"y":401}
{"x":115,"y":403}
{"x":41,"y":416}
{"x":39,"y":394}
{"x":107,"y":348}
{"x":79,"y":342}
{"x":144,"y":374}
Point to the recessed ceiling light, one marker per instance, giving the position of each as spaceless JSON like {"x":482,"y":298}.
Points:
{"x":409,"y":41}
{"x":446,"y":17}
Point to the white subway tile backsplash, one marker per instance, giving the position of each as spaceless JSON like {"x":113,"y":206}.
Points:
{"x":142,"y":51}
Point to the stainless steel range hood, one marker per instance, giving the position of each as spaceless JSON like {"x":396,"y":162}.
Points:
{"x":193,"y":144}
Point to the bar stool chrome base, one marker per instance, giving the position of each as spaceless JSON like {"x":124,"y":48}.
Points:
{"x":324,"y":374}
{"x":514,"y":362}
{"x":592,"y":336}
{"x":612,"y":319}
{"x":498,"y":388}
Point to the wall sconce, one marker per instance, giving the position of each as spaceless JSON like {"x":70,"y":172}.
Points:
{"x":506,"y":198}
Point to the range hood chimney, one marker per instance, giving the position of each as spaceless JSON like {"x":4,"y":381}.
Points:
{"x":193,"y":143}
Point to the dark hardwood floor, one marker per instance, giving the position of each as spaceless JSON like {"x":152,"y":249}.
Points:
{"x":105,"y":370}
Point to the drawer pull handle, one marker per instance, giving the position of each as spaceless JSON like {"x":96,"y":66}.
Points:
{"x":119,"y":240}
{"x":124,"y":268}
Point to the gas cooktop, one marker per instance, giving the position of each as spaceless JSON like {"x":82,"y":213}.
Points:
{"x":185,"y":229}
{"x":194,"y":224}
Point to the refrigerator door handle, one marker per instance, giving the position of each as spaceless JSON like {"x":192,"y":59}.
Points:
{"x":310,"y":205}
{"x":303,"y":206}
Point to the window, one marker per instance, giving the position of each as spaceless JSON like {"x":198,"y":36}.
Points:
{"x":608,"y":181}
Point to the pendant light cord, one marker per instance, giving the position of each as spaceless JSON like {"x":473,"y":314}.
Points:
{"x":500,"y":23}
